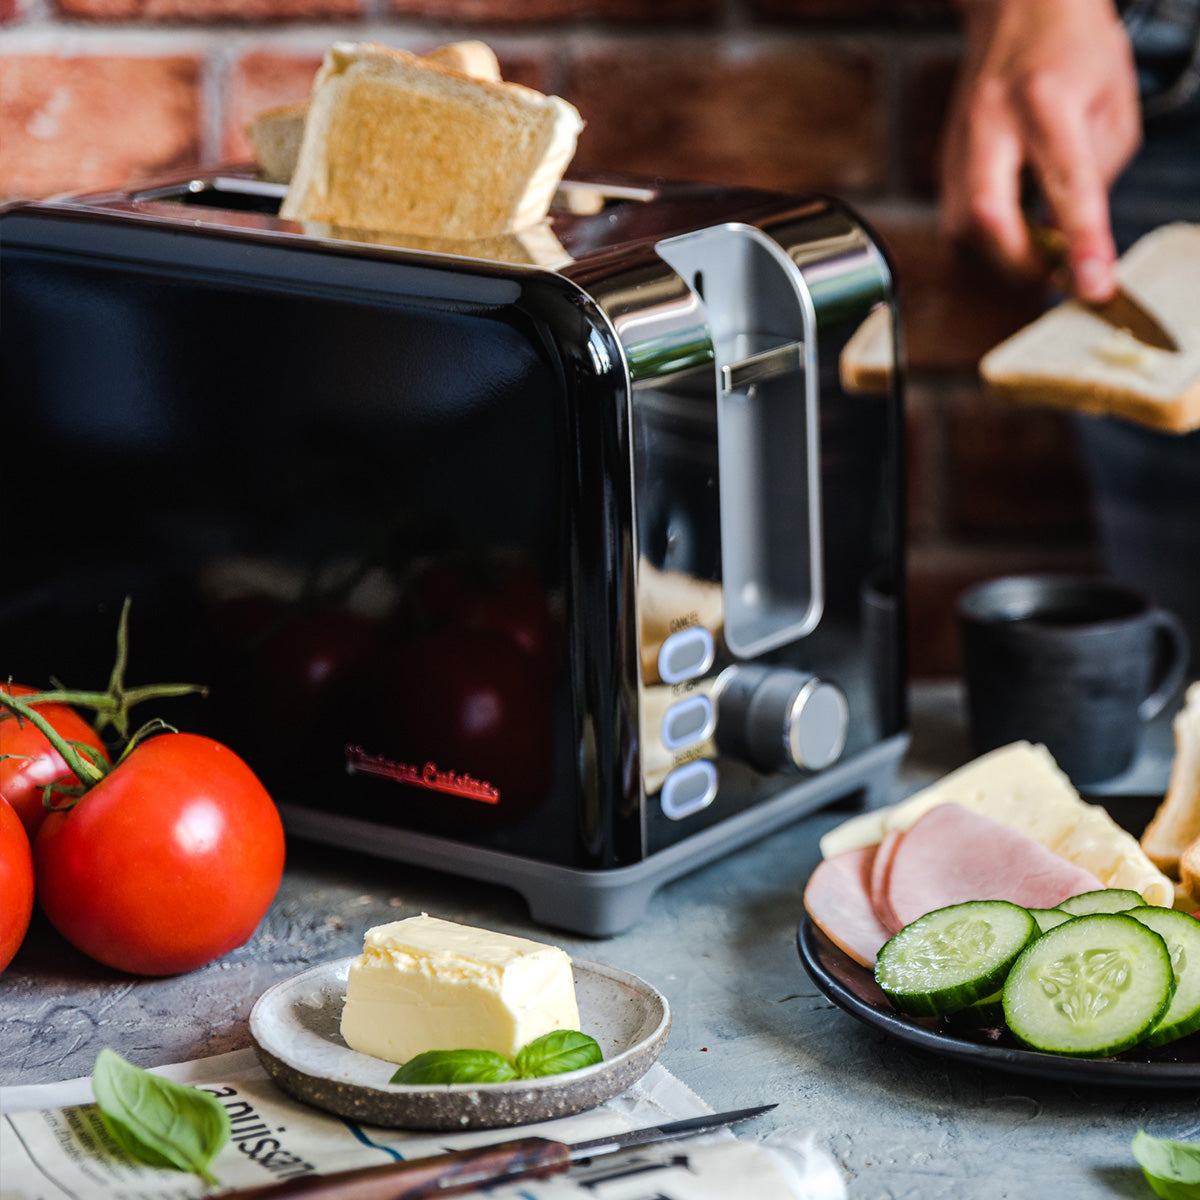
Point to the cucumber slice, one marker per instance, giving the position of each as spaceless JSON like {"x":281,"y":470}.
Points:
{"x":1091,"y":987}
{"x":1047,"y":918}
{"x":951,"y":957}
{"x":1103,"y":900}
{"x":987,"y":1013}
{"x":1181,"y":932}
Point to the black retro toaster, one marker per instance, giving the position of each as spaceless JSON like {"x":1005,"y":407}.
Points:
{"x":569,"y":561}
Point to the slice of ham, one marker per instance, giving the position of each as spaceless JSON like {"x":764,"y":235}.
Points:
{"x":838,"y":899}
{"x":881,"y":875}
{"x":951,"y":855}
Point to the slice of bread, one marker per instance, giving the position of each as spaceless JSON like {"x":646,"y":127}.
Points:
{"x":394,"y":142}
{"x":1189,"y":872}
{"x":1175,"y":827}
{"x":276,"y":133}
{"x":867,"y":363}
{"x":1070,"y":357}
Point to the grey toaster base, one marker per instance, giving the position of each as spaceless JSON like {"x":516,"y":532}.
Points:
{"x":605,"y":903}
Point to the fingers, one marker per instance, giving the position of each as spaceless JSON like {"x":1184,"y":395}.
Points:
{"x":982,"y":160}
{"x":1049,"y":91}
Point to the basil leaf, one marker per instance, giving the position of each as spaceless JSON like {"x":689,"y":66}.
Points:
{"x":456,"y":1066}
{"x":156,"y":1120}
{"x":1171,"y":1168}
{"x":556,"y":1052}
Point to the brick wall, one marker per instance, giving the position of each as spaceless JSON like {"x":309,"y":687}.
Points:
{"x":843,"y":96}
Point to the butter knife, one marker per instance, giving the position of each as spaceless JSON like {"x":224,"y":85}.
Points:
{"x":483,"y":1166}
{"x":1123,"y":311}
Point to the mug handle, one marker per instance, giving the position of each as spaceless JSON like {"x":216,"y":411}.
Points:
{"x":1175,"y":635}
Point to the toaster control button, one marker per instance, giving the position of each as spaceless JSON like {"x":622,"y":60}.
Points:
{"x":687,"y":722}
{"x":686,"y":654}
{"x":778,"y":717}
{"x":688,"y":789}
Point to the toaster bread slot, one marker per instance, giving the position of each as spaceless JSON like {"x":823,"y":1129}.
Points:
{"x":761,"y":323}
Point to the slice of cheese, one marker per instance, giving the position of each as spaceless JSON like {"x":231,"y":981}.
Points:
{"x":1024,"y":788}
{"x":426,"y":984}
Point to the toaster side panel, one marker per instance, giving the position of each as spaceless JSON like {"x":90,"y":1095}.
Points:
{"x":378,"y":504}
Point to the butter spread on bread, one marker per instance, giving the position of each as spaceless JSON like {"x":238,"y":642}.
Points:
{"x":1071,"y":357}
{"x":1021,"y":786}
{"x":277,"y":132}
{"x":396,"y":142}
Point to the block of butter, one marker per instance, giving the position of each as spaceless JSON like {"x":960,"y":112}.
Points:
{"x":426,"y":984}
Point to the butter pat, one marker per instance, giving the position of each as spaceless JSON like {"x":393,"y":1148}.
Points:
{"x":427,"y":984}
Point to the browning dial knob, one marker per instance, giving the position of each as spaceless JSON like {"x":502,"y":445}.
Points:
{"x":780,"y":717}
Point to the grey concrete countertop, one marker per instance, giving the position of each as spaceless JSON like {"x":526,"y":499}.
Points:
{"x":749,"y":1026}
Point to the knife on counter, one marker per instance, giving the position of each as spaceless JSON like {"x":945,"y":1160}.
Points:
{"x":482,"y":1166}
{"x":1123,"y":311}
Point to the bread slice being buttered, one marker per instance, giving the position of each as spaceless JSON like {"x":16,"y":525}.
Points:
{"x":1071,"y":357}
{"x":396,"y":142}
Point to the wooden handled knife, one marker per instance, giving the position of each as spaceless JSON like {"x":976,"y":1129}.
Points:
{"x":483,"y":1166}
{"x":1123,"y":311}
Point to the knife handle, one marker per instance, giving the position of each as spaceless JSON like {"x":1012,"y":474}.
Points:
{"x":438,"y":1175}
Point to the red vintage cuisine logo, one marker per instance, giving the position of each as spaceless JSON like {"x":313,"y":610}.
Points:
{"x":430,"y":776}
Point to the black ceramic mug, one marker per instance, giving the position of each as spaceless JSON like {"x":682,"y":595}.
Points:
{"x":1077,"y":663}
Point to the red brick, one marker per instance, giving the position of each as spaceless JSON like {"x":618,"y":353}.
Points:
{"x":495,"y":12}
{"x":261,"y":80}
{"x":955,"y":306}
{"x":786,"y":114}
{"x":923,"y":458}
{"x":1014,"y":471}
{"x":208,"y":10}
{"x":94,"y":122}
{"x":854,"y":11}
{"x":928,"y":97}
{"x":645,"y":11}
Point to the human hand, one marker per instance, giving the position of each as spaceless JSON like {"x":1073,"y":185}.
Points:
{"x":1047,"y":91}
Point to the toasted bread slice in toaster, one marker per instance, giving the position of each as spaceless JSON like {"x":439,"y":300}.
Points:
{"x":276,"y":133}
{"x":396,"y":142}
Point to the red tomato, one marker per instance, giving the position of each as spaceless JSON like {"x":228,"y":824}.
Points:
{"x":23,"y":778}
{"x":16,"y":883}
{"x":167,"y":863}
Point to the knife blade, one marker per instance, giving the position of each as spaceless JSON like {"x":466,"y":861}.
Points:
{"x":482,"y":1166}
{"x":1122,"y":312}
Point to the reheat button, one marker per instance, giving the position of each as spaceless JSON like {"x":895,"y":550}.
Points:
{"x":686,"y":654}
{"x":688,"y":789}
{"x":686,"y":722}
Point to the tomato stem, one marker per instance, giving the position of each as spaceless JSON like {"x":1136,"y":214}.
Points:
{"x":81,"y":767}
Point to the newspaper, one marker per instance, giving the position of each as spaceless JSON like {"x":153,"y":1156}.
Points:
{"x":53,"y":1146}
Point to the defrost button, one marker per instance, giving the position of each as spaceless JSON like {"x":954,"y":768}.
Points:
{"x":688,"y":789}
{"x":686,"y":654}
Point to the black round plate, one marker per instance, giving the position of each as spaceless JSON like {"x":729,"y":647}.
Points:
{"x":852,"y":988}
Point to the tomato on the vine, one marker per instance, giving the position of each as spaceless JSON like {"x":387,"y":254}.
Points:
{"x":168,"y":862}
{"x":28,"y":763}
{"x":16,"y":883}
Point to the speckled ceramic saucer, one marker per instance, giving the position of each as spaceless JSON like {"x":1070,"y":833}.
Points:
{"x":295,"y":1029}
